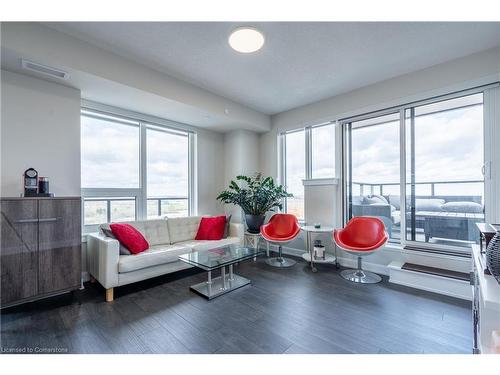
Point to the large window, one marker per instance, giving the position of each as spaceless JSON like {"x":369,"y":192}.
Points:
{"x":323,"y":151}
{"x":295,"y":172}
{"x":434,"y":198}
{"x":167,"y":173}
{"x":307,"y":153}
{"x":133,"y":169}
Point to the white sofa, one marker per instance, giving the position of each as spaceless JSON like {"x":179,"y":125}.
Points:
{"x":168,"y":238}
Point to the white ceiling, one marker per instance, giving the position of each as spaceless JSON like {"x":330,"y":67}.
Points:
{"x":300,"y":63}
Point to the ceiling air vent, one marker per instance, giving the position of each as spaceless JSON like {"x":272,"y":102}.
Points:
{"x":44,"y":69}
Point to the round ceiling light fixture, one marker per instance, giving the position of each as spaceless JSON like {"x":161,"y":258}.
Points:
{"x":246,"y":40}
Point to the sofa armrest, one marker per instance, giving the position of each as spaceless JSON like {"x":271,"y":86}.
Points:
{"x":237,"y":230}
{"x":103,"y":254}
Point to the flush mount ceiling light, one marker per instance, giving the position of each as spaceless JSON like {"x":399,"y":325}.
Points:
{"x":246,"y":40}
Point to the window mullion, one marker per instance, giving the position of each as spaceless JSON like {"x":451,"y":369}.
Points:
{"x":282,"y":166}
{"x":141,"y":206}
{"x":308,"y":153}
{"x":402,"y":176}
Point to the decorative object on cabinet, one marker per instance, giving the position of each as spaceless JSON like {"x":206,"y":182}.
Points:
{"x":35,"y":186}
{"x":486,"y":233}
{"x":493,"y":256}
{"x":30,"y":179}
{"x":40,"y":248}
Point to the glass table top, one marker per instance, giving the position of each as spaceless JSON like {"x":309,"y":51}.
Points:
{"x":219,"y":257}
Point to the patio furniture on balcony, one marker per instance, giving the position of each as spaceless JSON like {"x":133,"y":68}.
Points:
{"x":450,"y":217}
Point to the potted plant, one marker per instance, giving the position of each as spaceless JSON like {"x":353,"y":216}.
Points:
{"x":256,"y":196}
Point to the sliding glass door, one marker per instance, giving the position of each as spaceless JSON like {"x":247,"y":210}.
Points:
{"x":444,"y":159}
{"x":419,"y":168}
{"x":373,"y":170}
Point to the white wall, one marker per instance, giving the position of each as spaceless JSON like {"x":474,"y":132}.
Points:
{"x":210,"y":167}
{"x":40,"y":129}
{"x":241,"y":149}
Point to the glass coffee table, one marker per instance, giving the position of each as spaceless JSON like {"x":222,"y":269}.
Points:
{"x":220,"y":258}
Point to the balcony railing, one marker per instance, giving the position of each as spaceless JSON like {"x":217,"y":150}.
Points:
{"x":172,"y":206}
{"x":378,"y":188}
{"x":99,"y":210}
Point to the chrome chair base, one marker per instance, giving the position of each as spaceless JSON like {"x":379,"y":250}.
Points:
{"x":281,"y":262}
{"x":360,"y":276}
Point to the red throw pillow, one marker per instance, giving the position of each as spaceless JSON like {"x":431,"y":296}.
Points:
{"x":130,"y":237}
{"x":211,"y":228}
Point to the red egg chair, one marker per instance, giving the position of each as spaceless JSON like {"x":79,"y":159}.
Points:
{"x":361,"y":236}
{"x":281,"y":228}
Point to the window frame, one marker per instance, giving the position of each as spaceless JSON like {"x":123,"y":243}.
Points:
{"x":309,"y":151}
{"x":140,"y":194}
{"x":308,"y":155}
{"x":404,"y":243}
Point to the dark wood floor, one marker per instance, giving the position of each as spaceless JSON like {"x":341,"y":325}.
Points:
{"x":283,"y":311}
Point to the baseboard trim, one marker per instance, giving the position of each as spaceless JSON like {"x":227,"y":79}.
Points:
{"x":343,"y":261}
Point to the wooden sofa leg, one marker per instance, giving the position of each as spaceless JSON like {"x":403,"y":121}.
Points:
{"x":109,"y":295}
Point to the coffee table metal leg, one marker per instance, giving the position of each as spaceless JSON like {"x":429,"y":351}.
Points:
{"x":223,"y":277}
{"x":209,"y":283}
{"x":217,"y":286}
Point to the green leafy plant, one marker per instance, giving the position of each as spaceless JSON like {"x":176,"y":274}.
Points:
{"x":255,"y":195}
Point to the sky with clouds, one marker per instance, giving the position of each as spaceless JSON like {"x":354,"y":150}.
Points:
{"x":448,"y":147}
{"x":110,"y":158}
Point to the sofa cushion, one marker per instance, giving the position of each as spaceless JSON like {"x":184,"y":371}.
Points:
{"x":208,"y":245}
{"x":432,"y":204}
{"x":129,"y":237}
{"x":395,"y":201}
{"x":372,"y":199}
{"x":106,"y":230}
{"x":154,"y":256}
{"x":183,"y":228}
{"x":467,"y":207}
{"x":155,"y":231}
{"x":211,"y":228}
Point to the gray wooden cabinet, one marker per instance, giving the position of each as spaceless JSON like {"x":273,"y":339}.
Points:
{"x":40,"y":248}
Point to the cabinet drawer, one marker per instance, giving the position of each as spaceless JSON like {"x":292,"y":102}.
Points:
{"x":59,"y":246}
{"x":18,"y":250}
